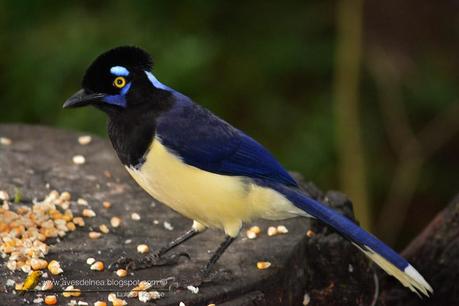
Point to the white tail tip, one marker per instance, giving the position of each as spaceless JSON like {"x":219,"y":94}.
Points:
{"x":409,"y":277}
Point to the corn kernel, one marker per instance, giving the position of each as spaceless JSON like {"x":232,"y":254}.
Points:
{"x":106,"y":204}
{"x":262,"y":265}
{"x":119,"y":302}
{"x":89,"y":213}
{"x":38,"y":264}
{"x":98,"y":266}
{"x":79,"y":160}
{"x":100,"y":303}
{"x":90,"y":261}
{"x":272,"y":231}
{"x":94,"y":235}
{"x":282,"y":229}
{"x":104,"y":228}
{"x":143,"y":248}
{"x":78,"y":221}
{"x":115,"y":221}
{"x":54,"y":267}
{"x":71,"y":291}
{"x":50,"y":300}
{"x":84,"y":140}
{"x":121,"y":272}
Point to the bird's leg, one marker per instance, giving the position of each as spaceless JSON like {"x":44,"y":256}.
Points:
{"x":216,"y":256}
{"x":155,"y":258}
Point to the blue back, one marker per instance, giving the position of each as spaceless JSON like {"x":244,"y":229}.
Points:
{"x":207,"y":142}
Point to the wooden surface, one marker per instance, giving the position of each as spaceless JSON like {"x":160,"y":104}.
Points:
{"x":325,"y":267}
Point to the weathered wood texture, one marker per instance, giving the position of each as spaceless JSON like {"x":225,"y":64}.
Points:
{"x":325,"y":267}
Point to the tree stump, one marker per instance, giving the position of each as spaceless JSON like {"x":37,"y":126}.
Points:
{"x":320,"y":268}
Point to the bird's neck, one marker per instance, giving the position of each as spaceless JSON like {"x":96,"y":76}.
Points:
{"x":132,"y":131}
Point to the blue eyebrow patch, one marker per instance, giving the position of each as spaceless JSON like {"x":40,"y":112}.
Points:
{"x":119,"y":71}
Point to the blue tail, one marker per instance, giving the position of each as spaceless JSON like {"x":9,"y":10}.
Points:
{"x":375,"y":249}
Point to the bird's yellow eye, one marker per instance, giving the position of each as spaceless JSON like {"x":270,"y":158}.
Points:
{"x":119,"y":82}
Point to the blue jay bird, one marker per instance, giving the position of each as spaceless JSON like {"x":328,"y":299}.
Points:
{"x":202,"y":167}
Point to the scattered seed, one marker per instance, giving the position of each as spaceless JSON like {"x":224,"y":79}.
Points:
{"x":5,"y":141}
{"x":79,"y":159}
{"x":115,"y":221}
{"x":182,"y":304}
{"x":193,"y":289}
{"x":81,"y":303}
{"x":121,"y":272}
{"x":98,"y":266}
{"x":50,"y":300}
{"x":251,"y":235}
{"x":82,"y":202}
{"x":95,"y":235}
{"x":168,"y":226}
{"x":211,"y":304}
{"x":262,"y":265}
{"x":38,"y":264}
{"x":89,"y":213}
{"x":78,"y":221}
{"x":143,"y":248}
{"x":65,"y":196}
{"x":127,"y":241}
{"x":282,"y":229}
{"x":84,"y":140}
{"x":135,"y":216}
{"x":119,"y":302}
{"x":4,"y":196}
{"x":71,"y":226}
{"x":106,"y":204}
{"x":100,"y":303}
{"x":54,"y":267}
{"x":71,"y":291}
{"x":310,"y":233}
{"x":272,"y":231}
{"x":104,"y":229}
{"x":90,"y":260}
{"x":255,"y":229}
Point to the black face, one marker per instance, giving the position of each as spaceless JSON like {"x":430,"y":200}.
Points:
{"x":116,"y":79}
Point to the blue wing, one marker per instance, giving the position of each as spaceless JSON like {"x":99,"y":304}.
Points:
{"x":205,"y":141}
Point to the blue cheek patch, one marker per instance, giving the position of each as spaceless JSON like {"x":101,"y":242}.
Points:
{"x":118,"y":100}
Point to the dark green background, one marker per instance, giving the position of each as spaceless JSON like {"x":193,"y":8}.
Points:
{"x":267,"y":68}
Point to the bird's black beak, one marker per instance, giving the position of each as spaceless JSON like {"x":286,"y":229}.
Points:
{"x":82,"y":98}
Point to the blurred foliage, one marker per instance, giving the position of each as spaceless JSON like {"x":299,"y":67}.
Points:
{"x":266,"y":67}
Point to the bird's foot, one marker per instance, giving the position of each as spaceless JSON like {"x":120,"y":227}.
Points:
{"x":154,"y":260}
{"x":190,"y":282}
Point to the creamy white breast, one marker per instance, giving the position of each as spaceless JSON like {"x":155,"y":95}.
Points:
{"x":213,"y":200}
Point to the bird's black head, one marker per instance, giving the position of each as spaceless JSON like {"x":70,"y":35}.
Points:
{"x":118,"y":79}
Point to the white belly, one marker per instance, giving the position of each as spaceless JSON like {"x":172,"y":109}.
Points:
{"x":213,"y":200}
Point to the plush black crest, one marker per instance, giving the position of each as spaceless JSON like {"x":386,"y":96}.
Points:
{"x":98,"y":77}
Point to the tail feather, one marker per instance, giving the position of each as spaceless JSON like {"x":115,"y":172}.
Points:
{"x":371,"y":246}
